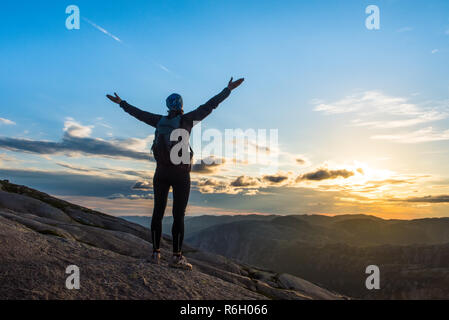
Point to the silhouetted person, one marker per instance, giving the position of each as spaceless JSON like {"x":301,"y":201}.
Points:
{"x":168,"y":172}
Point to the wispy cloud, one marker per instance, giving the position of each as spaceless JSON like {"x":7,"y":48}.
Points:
{"x":108,"y":172}
{"x":167,"y":70}
{"x":324,"y":174}
{"x":4,"y":157}
{"x":374,"y":109}
{"x":419,"y":118}
{"x":435,"y":51}
{"x":6,"y":122}
{"x":163,"y":68}
{"x":443,"y":198}
{"x":131,"y":196}
{"x":106,"y":32}
{"x":375,"y":103}
{"x":371,"y":103}
{"x":77,"y":141}
{"x":421,"y":135}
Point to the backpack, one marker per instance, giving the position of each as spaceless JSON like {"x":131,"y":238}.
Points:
{"x":162,"y":144}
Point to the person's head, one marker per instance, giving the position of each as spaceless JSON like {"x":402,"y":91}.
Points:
{"x":174,"y":104}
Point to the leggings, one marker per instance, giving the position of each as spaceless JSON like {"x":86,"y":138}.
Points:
{"x":179,"y":180}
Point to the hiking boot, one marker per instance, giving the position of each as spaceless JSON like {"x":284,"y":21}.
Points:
{"x":180,"y":262}
{"x":156,"y":257}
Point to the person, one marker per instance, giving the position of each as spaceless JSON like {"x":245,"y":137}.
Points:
{"x":171,"y":173}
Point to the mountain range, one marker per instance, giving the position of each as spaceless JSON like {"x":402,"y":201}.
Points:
{"x":334,"y":252}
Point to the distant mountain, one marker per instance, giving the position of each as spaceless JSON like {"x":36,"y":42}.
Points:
{"x":413,"y":255}
{"x":41,"y":236}
{"x":145,"y":221}
{"x":355,"y":230}
{"x":195,"y":223}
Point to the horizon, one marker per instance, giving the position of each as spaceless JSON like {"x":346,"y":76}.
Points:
{"x":293,"y":215}
{"x":362,"y":116}
{"x":244,"y":214}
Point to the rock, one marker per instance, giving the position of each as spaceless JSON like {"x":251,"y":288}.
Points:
{"x":41,"y":236}
{"x":315,"y":292}
{"x":23,"y":204}
{"x":33,"y":267}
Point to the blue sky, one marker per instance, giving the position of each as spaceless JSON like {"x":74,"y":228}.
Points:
{"x":339,"y":94}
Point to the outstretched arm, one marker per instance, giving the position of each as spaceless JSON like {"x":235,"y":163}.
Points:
{"x":147,"y":117}
{"x":204,"y":110}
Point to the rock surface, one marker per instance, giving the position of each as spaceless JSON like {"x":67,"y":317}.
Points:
{"x":40,"y":236}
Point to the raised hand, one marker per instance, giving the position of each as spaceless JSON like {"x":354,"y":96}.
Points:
{"x":115,"y":99}
{"x":234,"y":84}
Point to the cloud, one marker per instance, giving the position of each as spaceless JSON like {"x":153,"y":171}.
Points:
{"x":418,"y":136}
{"x":113,"y":173}
{"x":374,"y":103}
{"x":271,"y":199}
{"x":241,"y":185}
{"x":302,"y":160}
{"x":348,"y":104}
{"x":207,"y":166}
{"x":164,"y":68}
{"x":68,"y":183}
{"x":76,"y":141}
{"x":74,"y":168}
{"x":75,"y":129}
{"x":249,"y":148}
{"x":434,"y":51}
{"x":275,"y":179}
{"x":72,"y":146}
{"x":373,"y":185}
{"x":96,"y":192}
{"x":7,"y":158}
{"x":245,"y":181}
{"x":135,"y":144}
{"x":325,"y":174}
{"x":6,"y":122}
{"x":143,"y":185}
{"x":373,"y":109}
{"x":211,"y":186}
{"x":250,"y":185}
{"x":208,"y":182}
{"x":430,"y":199}
{"x":106,"y":32}
{"x":116,"y":196}
{"x":131,"y":196}
{"x":390,"y":124}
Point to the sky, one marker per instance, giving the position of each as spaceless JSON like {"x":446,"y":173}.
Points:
{"x":361,"y":116}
